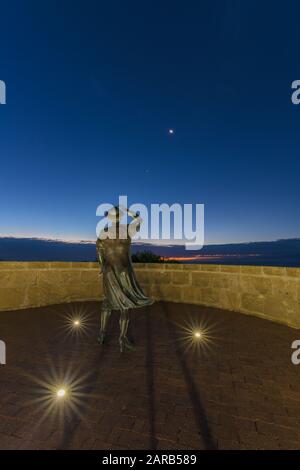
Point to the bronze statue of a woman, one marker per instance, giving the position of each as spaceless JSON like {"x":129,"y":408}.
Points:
{"x":121,"y":289}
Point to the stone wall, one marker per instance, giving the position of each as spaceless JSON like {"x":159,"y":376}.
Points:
{"x":268,"y":292}
{"x":36,"y":284}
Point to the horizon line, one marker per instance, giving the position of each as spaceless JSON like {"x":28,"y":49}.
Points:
{"x":166,"y":243}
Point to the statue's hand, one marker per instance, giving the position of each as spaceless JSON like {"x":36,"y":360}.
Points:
{"x":134,"y":215}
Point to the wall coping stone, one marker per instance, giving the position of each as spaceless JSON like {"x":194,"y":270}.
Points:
{"x":216,"y":268}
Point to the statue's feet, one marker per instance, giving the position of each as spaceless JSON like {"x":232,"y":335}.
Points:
{"x":102,"y":338}
{"x":125,"y":344}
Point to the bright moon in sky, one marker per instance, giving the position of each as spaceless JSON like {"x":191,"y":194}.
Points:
{"x":171,"y":131}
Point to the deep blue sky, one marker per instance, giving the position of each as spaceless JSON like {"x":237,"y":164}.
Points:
{"x":93,"y":86}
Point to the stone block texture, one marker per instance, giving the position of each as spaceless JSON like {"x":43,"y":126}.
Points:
{"x":268,"y":292}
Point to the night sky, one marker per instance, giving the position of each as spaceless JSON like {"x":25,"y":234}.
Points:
{"x":94,"y":86}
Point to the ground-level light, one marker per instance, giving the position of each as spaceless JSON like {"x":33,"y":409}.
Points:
{"x":61,"y":393}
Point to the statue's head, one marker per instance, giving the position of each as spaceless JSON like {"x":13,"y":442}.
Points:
{"x":115,"y":214}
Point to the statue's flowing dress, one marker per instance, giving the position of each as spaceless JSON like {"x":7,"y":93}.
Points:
{"x":121,"y":289}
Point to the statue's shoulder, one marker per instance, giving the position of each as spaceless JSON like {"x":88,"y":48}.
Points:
{"x":99,"y":242}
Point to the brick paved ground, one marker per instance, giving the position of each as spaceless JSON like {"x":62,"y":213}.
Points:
{"x":242,"y":392}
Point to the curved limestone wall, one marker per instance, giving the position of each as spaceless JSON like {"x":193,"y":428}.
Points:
{"x":268,"y":292}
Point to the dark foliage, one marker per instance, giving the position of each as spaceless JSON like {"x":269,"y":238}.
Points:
{"x":149,"y":257}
